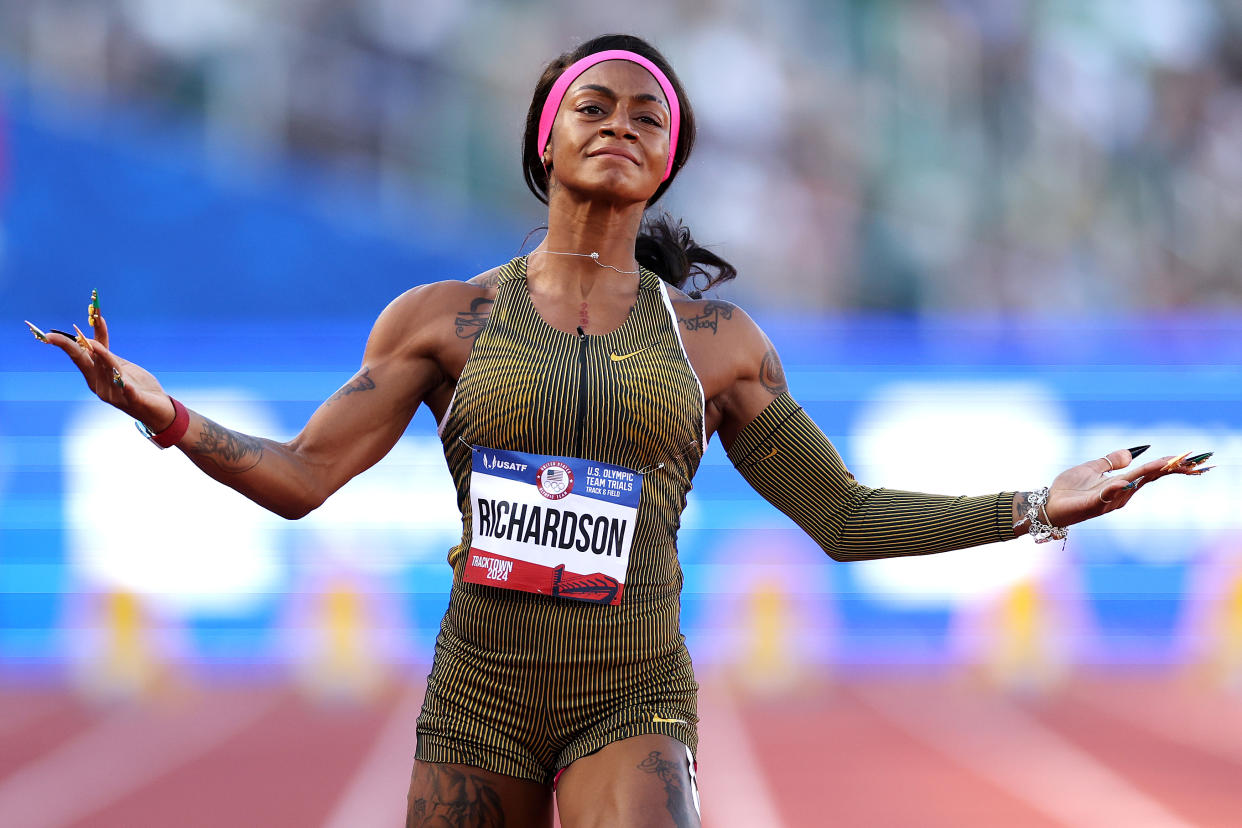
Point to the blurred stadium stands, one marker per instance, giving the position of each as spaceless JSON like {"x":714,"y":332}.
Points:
{"x":956,"y":154}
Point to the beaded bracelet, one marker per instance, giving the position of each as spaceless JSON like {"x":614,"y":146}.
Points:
{"x":1040,"y":531}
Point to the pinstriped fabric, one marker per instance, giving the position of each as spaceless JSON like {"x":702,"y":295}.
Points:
{"x":523,"y":684}
{"x":850,"y":521}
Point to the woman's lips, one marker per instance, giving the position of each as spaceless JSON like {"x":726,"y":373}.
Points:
{"x":611,"y":151}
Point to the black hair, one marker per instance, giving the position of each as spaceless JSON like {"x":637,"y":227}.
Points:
{"x":664,"y":244}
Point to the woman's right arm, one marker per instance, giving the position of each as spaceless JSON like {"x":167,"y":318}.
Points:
{"x":351,"y":431}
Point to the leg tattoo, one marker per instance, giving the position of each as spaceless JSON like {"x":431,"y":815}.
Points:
{"x":455,"y":799}
{"x":678,"y":797}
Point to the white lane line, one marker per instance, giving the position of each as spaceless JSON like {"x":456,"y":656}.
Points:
{"x":1199,"y":724}
{"x":376,"y":793}
{"x":733,"y":787}
{"x":119,"y":755}
{"x":997,"y":741}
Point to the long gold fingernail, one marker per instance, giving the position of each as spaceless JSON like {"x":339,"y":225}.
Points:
{"x":92,"y":310}
{"x":1175,"y":462}
{"x":83,"y":342}
{"x":39,"y":335}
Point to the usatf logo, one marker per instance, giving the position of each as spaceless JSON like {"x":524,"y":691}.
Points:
{"x":491,"y":461}
{"x":554,"y":480}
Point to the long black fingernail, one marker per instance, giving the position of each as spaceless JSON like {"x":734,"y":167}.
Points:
{"x":1137,"y":450}
{"x":65,"y":334}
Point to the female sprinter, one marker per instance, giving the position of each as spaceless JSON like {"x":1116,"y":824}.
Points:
{"x":575,"y":390}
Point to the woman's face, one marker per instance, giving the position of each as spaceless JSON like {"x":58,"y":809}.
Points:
{"x":610,"y":138}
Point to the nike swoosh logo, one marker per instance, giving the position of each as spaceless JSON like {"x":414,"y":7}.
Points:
{"x":655,"y":718}
{"x":616,"y":358}
{"x":775,"y":451}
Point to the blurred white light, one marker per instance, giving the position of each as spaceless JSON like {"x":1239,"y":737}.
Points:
{"x":741,"y":99}
{"x":149,"y":522}
{"x":958,"y":438}
{"x":1173,"y":32}
{"x":402,"y":510}
{"x":193,"y":27}
{"x":413,"y":27}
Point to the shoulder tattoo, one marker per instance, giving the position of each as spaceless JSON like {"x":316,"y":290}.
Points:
{"x":469,"y":323}
{"x":485,"y":280}
{"x":709,"y":316}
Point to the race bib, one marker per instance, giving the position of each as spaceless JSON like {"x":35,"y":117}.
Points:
{"x":552,"y":525}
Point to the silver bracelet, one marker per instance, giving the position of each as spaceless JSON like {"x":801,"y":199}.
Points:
{"x":1040,"y":531}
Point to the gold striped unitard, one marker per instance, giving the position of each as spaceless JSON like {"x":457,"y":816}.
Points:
{"x":524,"y":684}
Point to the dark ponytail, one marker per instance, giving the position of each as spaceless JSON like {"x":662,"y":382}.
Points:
{"x":664,"y":244}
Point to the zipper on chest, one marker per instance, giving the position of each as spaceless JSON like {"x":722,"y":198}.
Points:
{"x":582,"y":390}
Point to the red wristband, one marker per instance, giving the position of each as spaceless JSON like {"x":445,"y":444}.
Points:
{"x":173,"y":434}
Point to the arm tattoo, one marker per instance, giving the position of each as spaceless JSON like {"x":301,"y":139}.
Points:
{"x":229,"y":451}
{"x":1021,"y":505}
{"x":712,"y":313}
{"x":361,"y":382}
{"x":678,"y":802}
{"x":485,"y":280}
{"x":470,"y":323}
{"x":772,"y":375}
{"x":451,"y":798}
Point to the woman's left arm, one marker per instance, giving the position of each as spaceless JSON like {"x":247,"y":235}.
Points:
{"x":788,"y":460}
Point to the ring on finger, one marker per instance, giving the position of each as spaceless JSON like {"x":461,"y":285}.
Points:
{"x":1110,"y":465}
{"x":116,"y":379}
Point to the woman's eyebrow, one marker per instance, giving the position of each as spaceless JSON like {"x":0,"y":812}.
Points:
{"x":604,"y":90}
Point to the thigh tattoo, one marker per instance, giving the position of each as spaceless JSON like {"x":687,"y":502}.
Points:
{"x":452,"y":798}
{"x":678,"y":797}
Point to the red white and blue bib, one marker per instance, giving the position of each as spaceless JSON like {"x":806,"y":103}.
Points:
{"x":551,"y":525}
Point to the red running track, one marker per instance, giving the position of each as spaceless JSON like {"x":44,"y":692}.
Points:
{"x":1107,"y":750}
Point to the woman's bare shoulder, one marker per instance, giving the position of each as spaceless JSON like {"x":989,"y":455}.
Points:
{"x":432,"y":315}
{"x":447,"y":296}
{"x":708,"y":317}
{"x":487,"y":279}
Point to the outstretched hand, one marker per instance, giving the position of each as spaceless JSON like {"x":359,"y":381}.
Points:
{"x":114,"y":380}
{"x":1090,"y":489}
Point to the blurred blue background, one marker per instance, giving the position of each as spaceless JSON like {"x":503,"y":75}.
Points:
{"x":990,"y":240}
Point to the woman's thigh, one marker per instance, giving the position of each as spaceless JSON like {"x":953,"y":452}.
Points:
{"x":641,"y":781}
{"x":461,"y":796}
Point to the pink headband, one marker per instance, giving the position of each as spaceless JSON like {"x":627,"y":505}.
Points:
{"x":553,"y":102}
